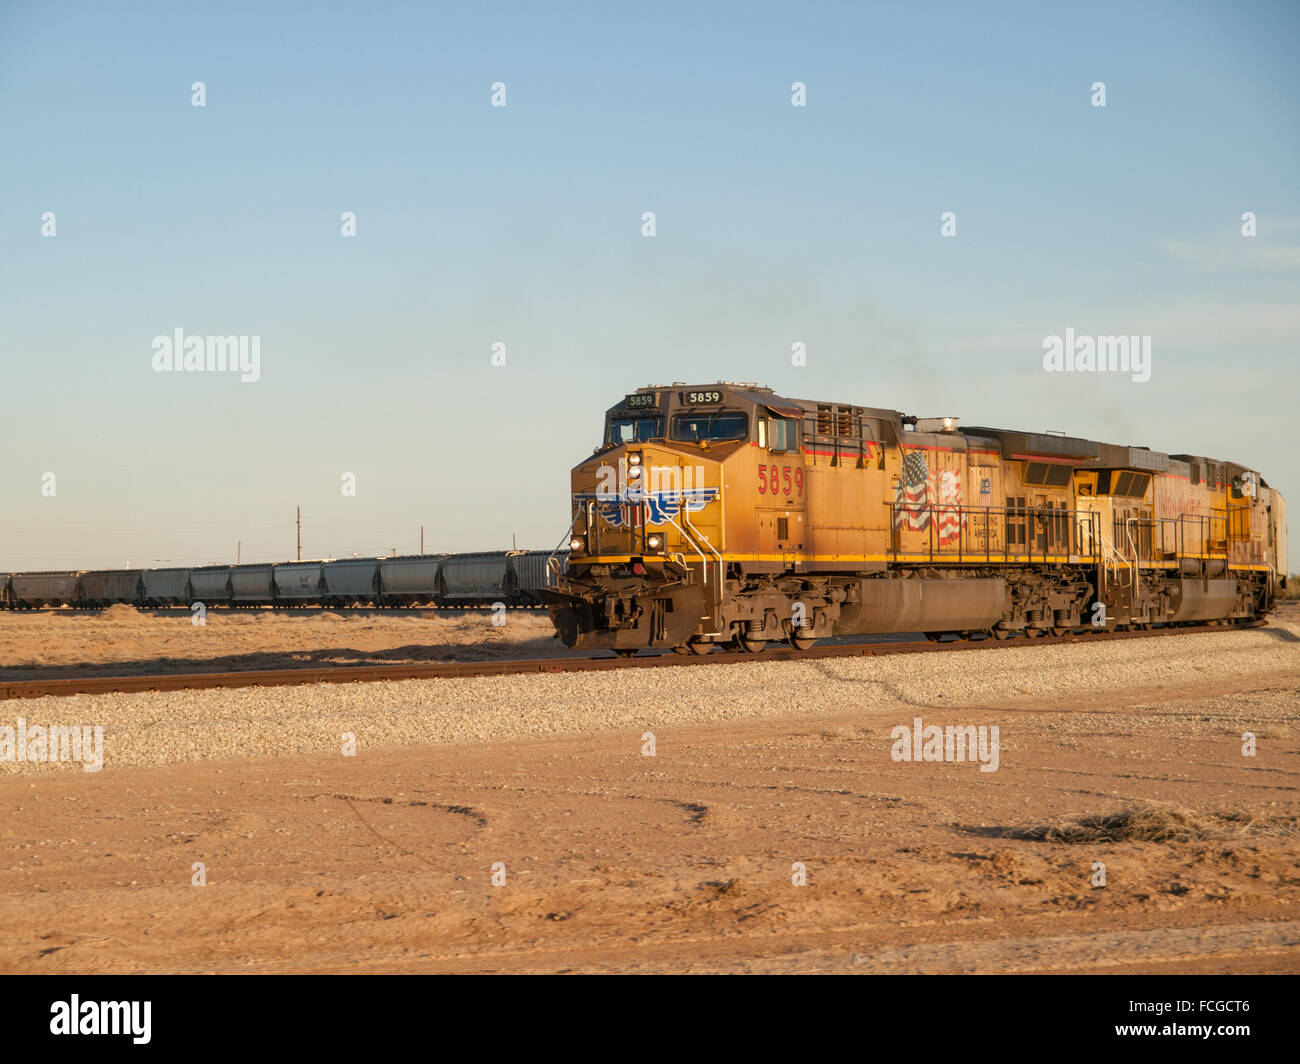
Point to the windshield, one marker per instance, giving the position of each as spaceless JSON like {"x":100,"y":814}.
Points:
{"x":634,"y":429}
{"x":690,"y":428}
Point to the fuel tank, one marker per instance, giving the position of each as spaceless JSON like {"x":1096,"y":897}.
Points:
{"x":923,"y":606}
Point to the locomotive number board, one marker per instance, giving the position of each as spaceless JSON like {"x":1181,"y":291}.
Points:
{"x":641,"y":400}
{"x":701,"y":397}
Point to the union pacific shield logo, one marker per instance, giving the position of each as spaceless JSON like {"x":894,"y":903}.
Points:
{"x":661,"y":507}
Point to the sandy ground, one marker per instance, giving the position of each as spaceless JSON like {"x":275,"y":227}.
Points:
{"x":121,"y":639}
{"x":684,"y":861}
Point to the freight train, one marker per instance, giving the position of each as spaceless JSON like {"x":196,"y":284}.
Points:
{"x":727,"y":514}
{"x":515,"y":578}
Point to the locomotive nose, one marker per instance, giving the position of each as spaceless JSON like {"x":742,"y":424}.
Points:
{"x":638,"y":501}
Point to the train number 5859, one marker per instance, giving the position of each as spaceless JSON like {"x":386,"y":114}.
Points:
{"x":780,"y":480}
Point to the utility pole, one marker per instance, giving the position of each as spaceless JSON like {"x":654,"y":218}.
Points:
{"x":239,"y":543}
{"x":422,"y":539}
{"x":300,"y":533}
{"x":514,"y":542}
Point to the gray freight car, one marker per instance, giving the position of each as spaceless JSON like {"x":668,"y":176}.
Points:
{"x":108,"y":587}
{"x":529,"y":574}
{"x":210,"y":585}
{"x":351,"y":581}
{"x":252,"y":585}
{"x":165,"y":587}
{"x":33,"y":591}
{"x":299,"y":583}
{"x":409,"y":581}
{"x":474,"y":579}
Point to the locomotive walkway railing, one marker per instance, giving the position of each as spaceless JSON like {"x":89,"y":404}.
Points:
{"x":1201,"y":539}
{"x":1043,"y":535}
{"x":1052,"y":534}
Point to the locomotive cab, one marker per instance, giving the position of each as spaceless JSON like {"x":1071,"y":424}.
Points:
{"x":651,"y":509}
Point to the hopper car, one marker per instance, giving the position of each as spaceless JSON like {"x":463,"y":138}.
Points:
{"x":515,"y":578}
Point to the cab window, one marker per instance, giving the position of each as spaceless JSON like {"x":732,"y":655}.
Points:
{"x":691,"y":428}
{"x":781,"y":434}
{"x":634,"y":429}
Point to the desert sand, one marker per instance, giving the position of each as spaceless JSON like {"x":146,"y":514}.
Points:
{"x":787,"y":840}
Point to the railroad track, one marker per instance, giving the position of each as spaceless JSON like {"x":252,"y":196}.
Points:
{"x":11,"y":689}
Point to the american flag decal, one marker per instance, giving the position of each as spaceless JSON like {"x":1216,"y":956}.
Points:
{"x":912,"y":503}
{"x":949,"y":512}
{"x":923,"y":495}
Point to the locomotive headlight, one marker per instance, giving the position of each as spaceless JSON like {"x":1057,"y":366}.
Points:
{"x":654,"y":542}
{"x":577,"y":544}
{"x":633,"y":459}
{"x":634,"y":472}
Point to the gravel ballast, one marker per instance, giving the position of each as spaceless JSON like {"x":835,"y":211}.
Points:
{"x":170,"y":727}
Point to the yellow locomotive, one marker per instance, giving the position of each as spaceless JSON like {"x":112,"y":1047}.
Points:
{"x":727,"y":514}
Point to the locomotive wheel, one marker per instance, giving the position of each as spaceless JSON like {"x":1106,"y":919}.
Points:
{"x":698,"y":646}
{"x":934,"y":637}
{"x":802,"y":642}
{"x":752,"y":646}
{"x":1003,"y":633}
{"x":683,"y":649}
{"x":626,"y":653}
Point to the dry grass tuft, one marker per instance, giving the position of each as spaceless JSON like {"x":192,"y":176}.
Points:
{"x":1154,"y":822}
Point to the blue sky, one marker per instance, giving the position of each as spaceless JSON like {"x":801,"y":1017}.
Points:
{"x":522,"y":225}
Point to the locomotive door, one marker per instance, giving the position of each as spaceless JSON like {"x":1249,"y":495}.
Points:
{"x":1050,"y":528}
{"x":1095,"y":527}
{"x":1142,"y":529}
{"x":1242,"y":535}
{"x":765,"y":530}
{"x":1037,"y":525}
{"x":775,"y":537}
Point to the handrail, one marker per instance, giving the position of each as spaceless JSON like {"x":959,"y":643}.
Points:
{"x":704,"y":566}
{"x":721,"y":568}
{"x":686,"y":520}
{"x":974,"y":516}
{"x":552,"y":560}
{"x":1137,"y":569}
